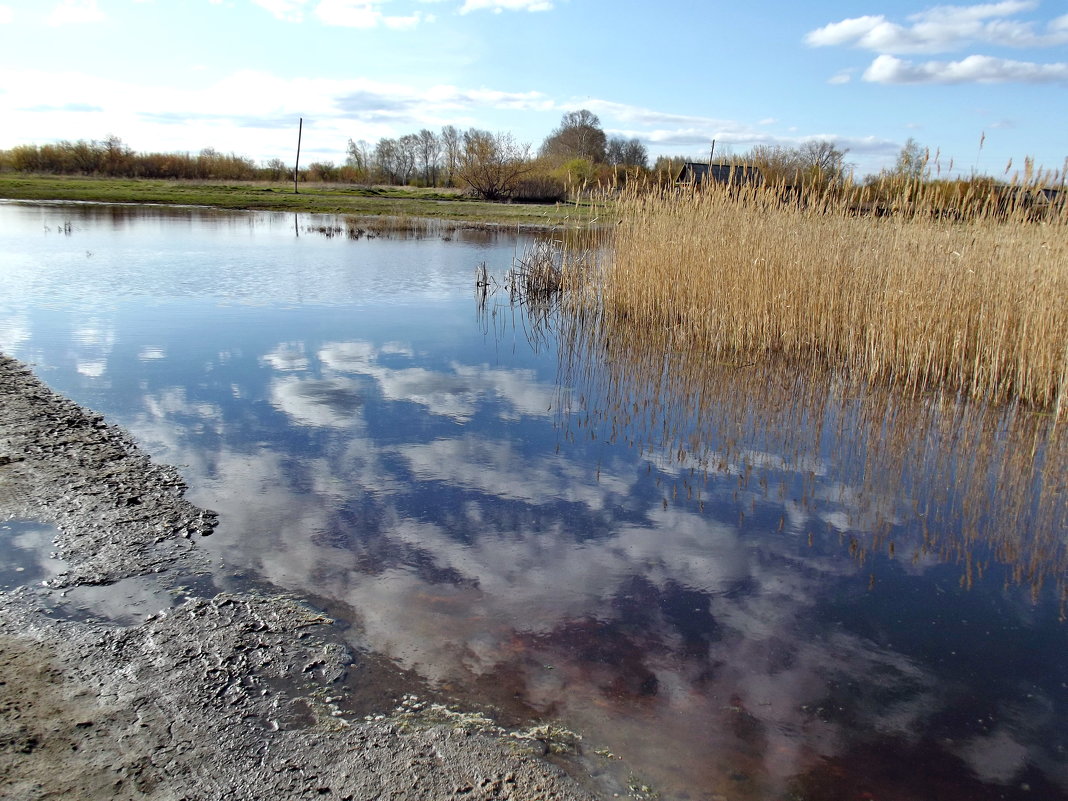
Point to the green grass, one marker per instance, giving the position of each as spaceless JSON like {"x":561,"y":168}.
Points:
{"x":441,"y":204}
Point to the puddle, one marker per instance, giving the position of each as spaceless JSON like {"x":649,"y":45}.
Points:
{"x":128,"y":601}
{"x":25,"y":548}
{"x":26,"y":560}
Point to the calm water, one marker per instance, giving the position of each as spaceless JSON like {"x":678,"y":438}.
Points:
{"x":744,"y":584}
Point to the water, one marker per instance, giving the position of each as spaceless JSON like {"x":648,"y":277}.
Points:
{"x":736,"y":584}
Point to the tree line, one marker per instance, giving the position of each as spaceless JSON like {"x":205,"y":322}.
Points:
{"x":574,"y":157}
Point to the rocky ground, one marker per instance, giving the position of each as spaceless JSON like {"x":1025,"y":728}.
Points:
{"x":235,"y":696}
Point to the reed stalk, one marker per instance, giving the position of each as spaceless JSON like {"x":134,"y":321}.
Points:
{"x":924,"y":300}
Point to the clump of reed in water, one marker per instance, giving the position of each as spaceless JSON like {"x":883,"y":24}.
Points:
{"x":977,"y":307}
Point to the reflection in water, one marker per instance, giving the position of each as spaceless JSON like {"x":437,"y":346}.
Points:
{"x":25,"y":553}
{"x":748,"y":584}
{"x":915,"y":478}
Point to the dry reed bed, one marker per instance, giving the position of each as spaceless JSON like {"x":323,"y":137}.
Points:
{"x":978,"y":308}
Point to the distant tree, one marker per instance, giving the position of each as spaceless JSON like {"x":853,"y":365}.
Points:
{"x":276,"y":169}
{"x":323,"y":171}
{"x":358,"y":158}
{"x":408,"y":156}
{"x":576,"y":173}
{"x":813,"y":163}
{"x":387,"y":160}
{"x":822,"y":161}
{"x":777,"y":163}
{"x":912,"y":161}
{"x":667,"y":168}
{"x":429,"y":151}
{"x":491,"y":165}
{"x":450,"y":151}
{"x":620,"y":152}
{"x":115,"y":156}
{"x":579,"y":136}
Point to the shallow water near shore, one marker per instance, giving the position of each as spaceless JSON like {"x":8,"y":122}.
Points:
{"x":724,"y":608}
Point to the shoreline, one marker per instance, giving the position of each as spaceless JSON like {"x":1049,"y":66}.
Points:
{"x":445,"y":207}
{"x":238,"y":695}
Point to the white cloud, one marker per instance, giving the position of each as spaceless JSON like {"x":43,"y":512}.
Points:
{"x":497,"y":6}
{"x":75,"y":12}
{"x":243,"y":111}
{"x":348,"y":13}
{"x":404,"y":23}
{"x":943,"y":28}
{"x":364,"y":14}
{"x":973,"y":69}
{"x":285,"y":10}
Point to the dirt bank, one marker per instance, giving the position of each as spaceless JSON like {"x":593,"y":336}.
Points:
{"x":222,"y":696}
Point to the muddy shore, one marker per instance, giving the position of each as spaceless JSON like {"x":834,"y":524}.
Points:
{"x":236,"y":696}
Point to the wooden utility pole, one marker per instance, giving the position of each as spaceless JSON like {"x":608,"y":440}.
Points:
{"x":711,"y":152}
{"x":296,"y":165}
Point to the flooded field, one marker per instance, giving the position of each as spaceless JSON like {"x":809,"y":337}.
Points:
{"x":734,"y":580}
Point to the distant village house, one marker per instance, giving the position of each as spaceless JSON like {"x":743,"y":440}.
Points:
{"x":697,"y":173}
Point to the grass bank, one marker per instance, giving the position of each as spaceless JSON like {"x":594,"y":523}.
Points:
{"x":443,"y":204}
{"x":976,"y":308}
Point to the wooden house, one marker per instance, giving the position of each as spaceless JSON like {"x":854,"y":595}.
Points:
{"x":698,"y":173}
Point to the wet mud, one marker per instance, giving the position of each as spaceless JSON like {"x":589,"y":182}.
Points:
{"x":235,"y":695}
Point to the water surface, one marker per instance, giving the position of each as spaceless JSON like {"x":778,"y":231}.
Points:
{"x":744,"y":583}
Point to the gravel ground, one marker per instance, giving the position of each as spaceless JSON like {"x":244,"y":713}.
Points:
{"x":236,"y":696}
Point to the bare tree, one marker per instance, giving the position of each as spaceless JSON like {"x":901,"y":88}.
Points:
{"x":579,"y":136}
{"x":912,"y":161}
{"x":450,"y":146}
{"x":429,"y":150}
{"x":622,"y":152}
{"x":359,"y":158}
{"x":387,"y":159}
{"x":492,"y":164}
{"x":115,"y":155}
{"x":822,"y":160}
{"x":408,"y":156}
{"x":276,"y":169}
{"x":778,"y":164}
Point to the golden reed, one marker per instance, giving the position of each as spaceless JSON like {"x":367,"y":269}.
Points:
{"x":921,"y":297}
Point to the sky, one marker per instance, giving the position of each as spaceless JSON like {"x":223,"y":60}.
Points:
{"x":982,"y":86}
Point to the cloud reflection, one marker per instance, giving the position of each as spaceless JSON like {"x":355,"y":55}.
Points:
{"x":507,"y":569}
{"x":455,"y":393}
{"x":334,"y":402}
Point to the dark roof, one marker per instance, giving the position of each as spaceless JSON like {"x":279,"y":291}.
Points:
{"x":697,"y":172}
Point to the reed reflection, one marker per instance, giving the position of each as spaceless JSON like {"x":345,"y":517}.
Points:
{"x":909,"y":476}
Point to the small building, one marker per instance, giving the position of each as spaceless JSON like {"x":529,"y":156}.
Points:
{"x":698,"y":173}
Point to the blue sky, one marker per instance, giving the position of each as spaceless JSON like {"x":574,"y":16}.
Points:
{"x":979,"y":84}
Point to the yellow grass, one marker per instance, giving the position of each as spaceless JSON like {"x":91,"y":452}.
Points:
{"x":977,"y":308}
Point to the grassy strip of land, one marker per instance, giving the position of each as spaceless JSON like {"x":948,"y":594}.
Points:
{"x":441,"y":204}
